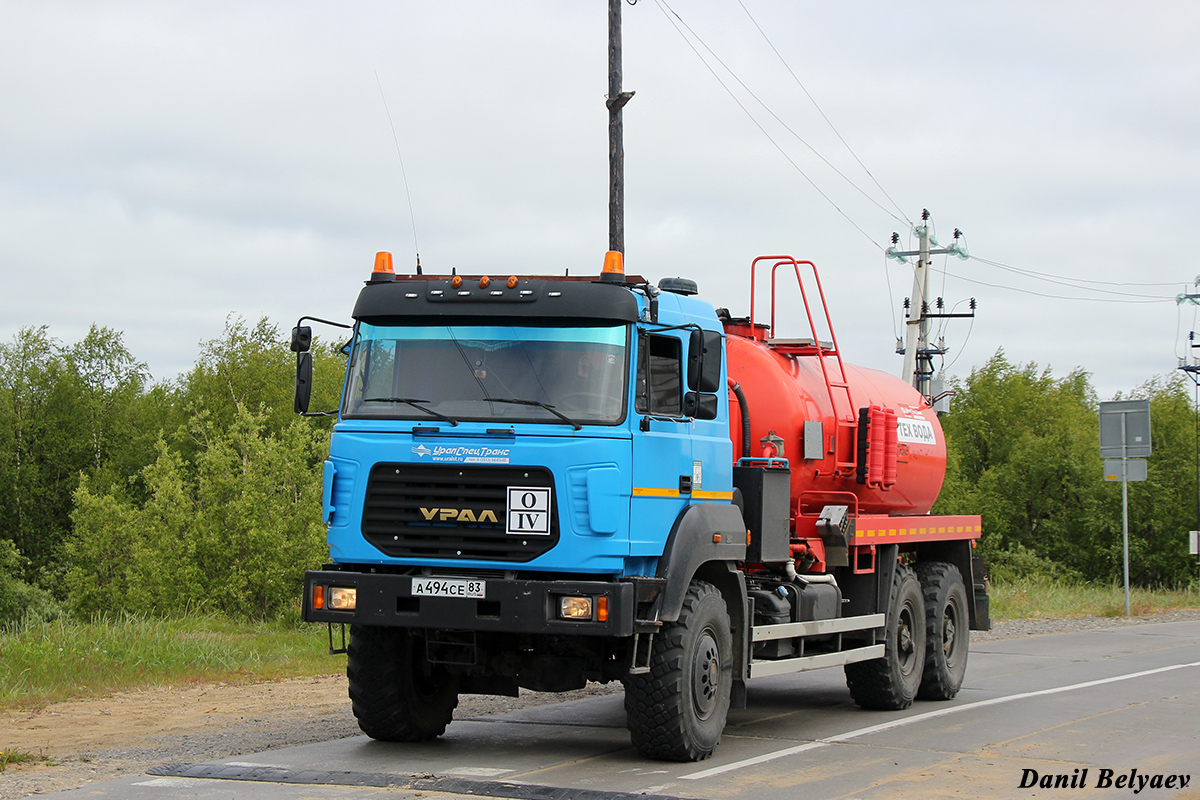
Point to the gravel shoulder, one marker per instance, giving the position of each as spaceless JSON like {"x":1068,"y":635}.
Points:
{"x":126,"y":733}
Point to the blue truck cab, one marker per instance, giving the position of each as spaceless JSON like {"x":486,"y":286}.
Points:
{"x":521,"y":473}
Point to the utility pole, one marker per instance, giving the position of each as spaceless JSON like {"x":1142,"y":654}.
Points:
{"x":1191,"y":368}
{"x":918,"y":355}
{"x":615,"y":101}
{"x":916,"y":337}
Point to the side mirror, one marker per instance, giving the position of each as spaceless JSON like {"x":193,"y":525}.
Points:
{"x":304,"y":372}
{"x":700,"y":406}
{"x":704,"y":361}
{"x":301,"y":339}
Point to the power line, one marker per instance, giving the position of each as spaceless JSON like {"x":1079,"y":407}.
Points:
{"x":785,"y":126}
{"x":1057,"y":296}
{"x":665,"y":9}
{"x":821,"y":111}
{"x":1048,"y":276}
{"x":1068,"y":282}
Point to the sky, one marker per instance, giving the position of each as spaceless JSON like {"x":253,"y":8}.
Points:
{"x":165,"y":167}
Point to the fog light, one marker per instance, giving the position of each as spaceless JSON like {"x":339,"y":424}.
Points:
{"x":342,"y":598}
{"x":575,"y":607}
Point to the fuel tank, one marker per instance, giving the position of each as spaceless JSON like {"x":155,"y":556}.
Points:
{"x":785,"y":387}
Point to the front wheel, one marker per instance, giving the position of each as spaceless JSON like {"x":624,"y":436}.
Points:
{"x":396,"y":694}
{"x":677,"y":711}
{"x":890,"y":683}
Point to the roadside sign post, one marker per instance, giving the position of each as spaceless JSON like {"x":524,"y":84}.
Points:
{"x":1125,"y":435}
{"x":1194,"y":548}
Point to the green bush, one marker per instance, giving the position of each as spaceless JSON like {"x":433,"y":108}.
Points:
{"x":231,"y":531}
{"x":20,"y":603}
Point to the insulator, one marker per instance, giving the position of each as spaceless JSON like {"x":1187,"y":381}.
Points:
{"x":895,"y":238}
{"x":941,"y":305}
{"x":972,"y":303}
{"x":925,"y":215}
{"x":957,"y":234}
{"x":906,"y":304}
{"x":924,"y":307}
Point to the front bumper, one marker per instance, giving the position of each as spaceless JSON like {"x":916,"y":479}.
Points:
{"x":508,"y":606}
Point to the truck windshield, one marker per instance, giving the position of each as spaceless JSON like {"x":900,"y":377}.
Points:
{"x":494,"y":373}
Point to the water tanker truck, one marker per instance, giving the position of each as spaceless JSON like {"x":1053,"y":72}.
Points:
{"x":536,"y":482}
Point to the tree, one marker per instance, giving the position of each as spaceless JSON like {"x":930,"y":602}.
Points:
{"x":1023,"y":452}
{"x":231,"y":531}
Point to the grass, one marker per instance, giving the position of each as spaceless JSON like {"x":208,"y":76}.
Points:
{"x":54,"y":661}
{"x":1056,"y":599}
{"x":8,"y":757}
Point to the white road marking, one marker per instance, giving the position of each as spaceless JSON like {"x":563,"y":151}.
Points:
{"x":942,"y":712}
{"x":478,"y":772}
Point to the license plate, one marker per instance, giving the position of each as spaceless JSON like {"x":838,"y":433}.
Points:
{"x":448,"y":587}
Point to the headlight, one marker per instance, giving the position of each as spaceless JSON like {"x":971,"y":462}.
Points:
{"x":575,"y":607}
{"x":342,"y":598}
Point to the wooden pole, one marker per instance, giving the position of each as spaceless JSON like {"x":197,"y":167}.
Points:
{"x":615,"y":101}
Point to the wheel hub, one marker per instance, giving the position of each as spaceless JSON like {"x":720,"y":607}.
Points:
{"x":906,"y":645}
{"x":706,"y":670}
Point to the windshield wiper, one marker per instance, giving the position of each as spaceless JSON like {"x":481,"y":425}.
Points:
{"x":517,"y":402}
{"x":415,"y":403}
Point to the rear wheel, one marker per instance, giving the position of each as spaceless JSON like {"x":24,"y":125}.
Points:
{"x":890,"y":683}
{"x":677,"y":711}
{"x":947,"y":634}
{"x":396,"y":694}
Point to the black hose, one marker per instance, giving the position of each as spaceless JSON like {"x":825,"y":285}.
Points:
{"x":737,"y":390}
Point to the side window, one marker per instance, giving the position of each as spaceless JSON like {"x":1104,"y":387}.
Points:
{"x":659,"y":376}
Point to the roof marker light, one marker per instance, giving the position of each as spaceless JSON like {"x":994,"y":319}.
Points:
{"x":484,"y":281}
{"x":512,"y":281}
{"x":614,"y":267}
{"x":456,"y":281}
{"x":383,"y":268}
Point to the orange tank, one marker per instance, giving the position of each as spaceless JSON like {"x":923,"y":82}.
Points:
{"x":785,"y":387}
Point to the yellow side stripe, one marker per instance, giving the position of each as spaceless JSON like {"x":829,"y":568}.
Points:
{"x":701,"y":494}
{"x":650,"y":491}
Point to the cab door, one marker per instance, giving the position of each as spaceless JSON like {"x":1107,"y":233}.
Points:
{"x":662,"y":441}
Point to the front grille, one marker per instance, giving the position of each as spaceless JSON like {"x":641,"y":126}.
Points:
{"x":447,"y":511}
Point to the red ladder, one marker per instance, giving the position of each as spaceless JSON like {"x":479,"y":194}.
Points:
{"x":837,"y":385}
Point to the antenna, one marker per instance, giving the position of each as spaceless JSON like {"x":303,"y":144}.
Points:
{"x":403,"y":172}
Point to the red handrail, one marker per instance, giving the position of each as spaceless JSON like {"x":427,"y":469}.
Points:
{"x":846,"y":419}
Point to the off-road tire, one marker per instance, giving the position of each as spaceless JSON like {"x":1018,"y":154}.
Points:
{"x":677,"y":711}
{"x":396,"y":695}
{"x":947,"y":630}
{"x":890,"y":683}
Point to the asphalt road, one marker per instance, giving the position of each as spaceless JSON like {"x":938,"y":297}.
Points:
{"x":1108,"y":702}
